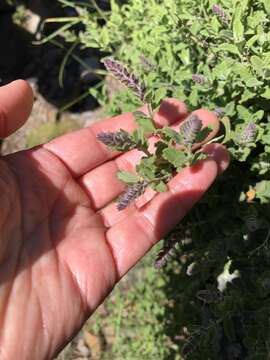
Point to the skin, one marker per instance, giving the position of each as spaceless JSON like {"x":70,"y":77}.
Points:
{"x":63,"y":244}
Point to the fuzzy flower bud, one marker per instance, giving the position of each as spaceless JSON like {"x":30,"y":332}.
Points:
{"x":146,"y":63}
{"x":166,"y":253}
{"x":199,"y":79}
{"x":125,"y":77}
{"x":248,"y":134}
{"x":121,"y":140}
{"x":220,"y":13}
{"x":131,"y":194}
{"x":190,"y":129}
{"x":219,"y":112}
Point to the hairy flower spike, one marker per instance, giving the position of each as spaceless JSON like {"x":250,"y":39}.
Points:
{"x":146,"y":63}
{"x":123,"y":75}
{"x":166,"y":252}
{"x":248,"y":134}
{"x":119,"y":139}
{"x":219,"y":112}
{"x":199,"y":79}
{"x":190,"y":129}
{"x":220,"y":13}
{"x":132,"y":193}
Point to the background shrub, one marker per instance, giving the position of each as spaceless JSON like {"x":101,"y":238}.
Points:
{"x":214,"y":56}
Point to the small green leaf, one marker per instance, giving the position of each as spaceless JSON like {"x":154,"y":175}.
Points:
{"x":197,"y":157}
{"x":238,"y":30}
{"x":160,"y":94}
{"x":128,"y":177}
{"x":159,"y":186}
{"x":147,"y":168}
{"x":168,"y":134}
{"x":257,"y":64}
{"x":144,"y":122}
{"x":263,"y":191}
{"x":233,"y":49}
{"x":140,"y":139}
{"x":174,"y":156}
{"x":227,"y":125}
{"x":266,"y":4}
{"x":202,"y":135}
{"x":160,"y":146}
{"x":266,"y":93}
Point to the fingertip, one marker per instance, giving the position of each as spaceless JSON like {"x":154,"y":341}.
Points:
{"x":170,"y":111}
{"x":220,"y":154}
{"x":16,"y":101}
{"x":208,"y":118}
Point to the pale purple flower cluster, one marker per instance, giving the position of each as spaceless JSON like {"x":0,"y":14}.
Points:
{"x":220,"y":13}
{"x":248,"y":134}
{"x":116,"y":139}
{"x":132,"y":193}
{"x":218,"y":112}
{"x":124,"y":76}
{"x":190,"y":129}
{"x":199,"y":79}
{"x":166,"y":252}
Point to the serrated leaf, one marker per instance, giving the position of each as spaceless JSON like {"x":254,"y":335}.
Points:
{"x":202,"y":135}
{"x":262,"y":189}
{"x":160,"y":146}
{"x":233,"y":49}
{"x":252,"y":82}
{"x":238,"y":30}
{"x":174,"y":156}
{"x":257,"y":64}
{"x":244,"y":113}
{"x":140,"y":139}
{"x":144,"y":122}
{"x":168,"y":134}
{"x":128,"y":177}
{"x":160,"y":94}
{"x":147,"y":169}
{"x":159,"y":186}
{"x":197,"y":157}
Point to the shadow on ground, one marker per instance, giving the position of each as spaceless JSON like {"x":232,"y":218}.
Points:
{"x":20,"y":58}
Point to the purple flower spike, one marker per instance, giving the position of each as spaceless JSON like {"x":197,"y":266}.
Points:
{"x":248,"y":134}
{"x":132,"y":193}
{"x":122,"y":74}
{"x":220,"y":13}
{"x":190,"y":129}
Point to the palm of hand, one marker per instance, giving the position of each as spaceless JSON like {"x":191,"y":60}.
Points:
{"x":54,"y":233}
{"x":63,"y":245}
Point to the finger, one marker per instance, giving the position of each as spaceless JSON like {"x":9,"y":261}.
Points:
{"x":16,"y":101}
{"x":132,"y":237}
{"x":209,"y":119}
{"x":102,"y":192}
{"x":81,"y":151}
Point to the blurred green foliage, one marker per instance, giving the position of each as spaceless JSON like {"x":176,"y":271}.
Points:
{"x":50,"y":130}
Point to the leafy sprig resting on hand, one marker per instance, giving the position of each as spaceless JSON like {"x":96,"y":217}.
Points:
{"x":173,"y":151}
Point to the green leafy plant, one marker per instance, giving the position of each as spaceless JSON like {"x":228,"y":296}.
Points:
{"x":213,"y":54}
{"x":155,"y":169}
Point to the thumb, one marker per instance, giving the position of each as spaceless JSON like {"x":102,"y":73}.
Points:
{"x":16,"y":101}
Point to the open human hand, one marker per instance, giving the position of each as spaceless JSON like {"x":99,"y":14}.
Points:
{"x":63,"y":243}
